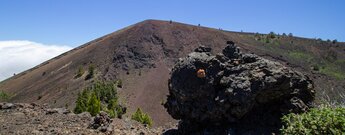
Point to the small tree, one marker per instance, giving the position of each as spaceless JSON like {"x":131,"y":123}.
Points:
{"x":142,"y":117}
{"x":80,"y":72}
{"x":115,"y":110}
{"x":290,"y":35}
{"x":334,"y":41}
{"x":82,"y":102}
{"x":94,"y":105}
{"x":271,"y":35}
{"x":91,"y":72}
{"x":267,"y":40}
{"x":257,"y":36}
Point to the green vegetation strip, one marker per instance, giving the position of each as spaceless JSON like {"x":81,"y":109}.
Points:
{"x":333,"y":71}
{"x":300,"y":56}
{"x":318,"y":121}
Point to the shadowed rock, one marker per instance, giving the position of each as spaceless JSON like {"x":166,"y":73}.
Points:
{"x":102,"y":122}
{"x":240,"y":92}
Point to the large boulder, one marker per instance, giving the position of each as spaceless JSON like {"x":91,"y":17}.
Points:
{"x":207,"y":91}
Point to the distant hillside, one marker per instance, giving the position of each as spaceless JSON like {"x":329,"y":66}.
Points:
{"x":141,"y":56}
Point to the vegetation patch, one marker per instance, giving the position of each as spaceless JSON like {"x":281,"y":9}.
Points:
{"x":142,"y":117}
{"x":330,"y":65}
{"x":318,"y":121}
{"x":4,"y":96}
{"x":101,"y":96}
{"x":119,"y":83}
{"x":333,"y":71}
{"x":266,"y":38}
{"x":91,"y":72}
{"x":80,"y":72}
{"x":300,"y":56}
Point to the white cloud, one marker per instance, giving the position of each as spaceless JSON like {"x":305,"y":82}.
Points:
{"x":18,"y":56}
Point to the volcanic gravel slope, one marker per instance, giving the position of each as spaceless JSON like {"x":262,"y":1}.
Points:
{"x":24,"y":119}
{"x":142,"y":55}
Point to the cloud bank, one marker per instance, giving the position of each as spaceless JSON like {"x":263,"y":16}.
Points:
{"x":19,"y":55}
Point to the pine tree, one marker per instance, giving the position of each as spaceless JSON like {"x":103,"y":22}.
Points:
{"x":91,"y":72}
{"x":82,"y":102}
{"x":94,"y":106}
{"x":141,"y":117}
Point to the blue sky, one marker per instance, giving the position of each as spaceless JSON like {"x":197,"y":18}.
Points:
{"x":74,"y":22}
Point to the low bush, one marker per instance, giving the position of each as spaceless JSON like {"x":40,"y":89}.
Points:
{"x":318,"y":121}
{"x":80,"y":72}
{"x":91,"y":72}
{"x":142,"y":117}
{"x":4,"y":96}
{"x":268,"y":38}
{"x":334,"y":41}
{"x":119,"y":83}
{"x":272,"y":35}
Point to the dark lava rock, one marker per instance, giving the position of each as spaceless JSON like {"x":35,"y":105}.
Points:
{"x":241,"y":93}
{"x":7,"y":106}
{"x":101,"y":122}
{"x":202,"y":49}
{"x":58,"y":110}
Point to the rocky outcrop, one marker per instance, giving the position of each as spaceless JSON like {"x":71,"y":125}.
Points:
{"x":238,"y":91}
{"x":101,"y":122}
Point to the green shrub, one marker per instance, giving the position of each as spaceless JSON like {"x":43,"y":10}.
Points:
{"x":94,"y":105}
{"x":119,"y":83}
{"x":80,"y":72}
{"x":100,"y":96}
{"x":106,"y":91}
{"x":318,"y":121}
{"x":257,"y":36}
{"x":266,"y":38}
{"x":334,"y":41}
{"x":271,"y":35}
{"x":91,"y":72}
{"x":142,"y":117}
{"x":82,"y":102}
{"x":4,"y":96}
{"x":115,"y":110}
